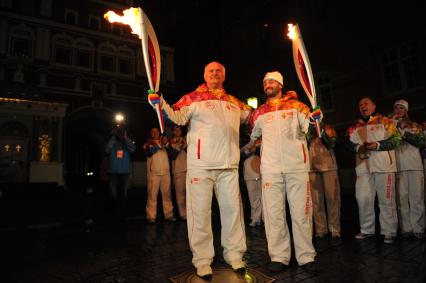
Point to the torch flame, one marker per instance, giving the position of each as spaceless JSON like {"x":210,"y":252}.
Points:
{"x":292,"y":33}
{"x":131,"y":17}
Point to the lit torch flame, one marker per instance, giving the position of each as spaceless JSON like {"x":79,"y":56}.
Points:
{"x":131,"y":17}
{"x":142,"y":27}
{"x":292,"y":34}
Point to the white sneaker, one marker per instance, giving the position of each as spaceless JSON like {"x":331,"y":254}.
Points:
{"x":204,"y":271}
{"x":388,"y":239}
{"x":238,"y":265}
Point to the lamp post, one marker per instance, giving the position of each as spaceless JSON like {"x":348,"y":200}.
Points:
{"x":119,"y":119}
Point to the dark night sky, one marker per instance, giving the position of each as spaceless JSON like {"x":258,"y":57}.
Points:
{"x":234,"y":32}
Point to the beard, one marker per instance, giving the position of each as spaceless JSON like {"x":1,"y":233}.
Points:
{"x":271,"y":92}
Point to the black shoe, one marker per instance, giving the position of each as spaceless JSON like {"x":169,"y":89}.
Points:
{"x":171,"y":219}
{"x":275,"y":266}
{"x":407,"y":235}
{"x":311,"y":267}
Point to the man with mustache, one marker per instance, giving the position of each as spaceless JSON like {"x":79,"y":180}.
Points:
{"x":283,"y":122}
{"x":373,"y":138}
{"x":213,"y":117}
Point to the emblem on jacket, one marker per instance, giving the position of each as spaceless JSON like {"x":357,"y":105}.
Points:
{"x":210,"y":105}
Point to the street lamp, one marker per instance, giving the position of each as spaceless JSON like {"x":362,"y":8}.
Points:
{"x":252,"y":101}
{"x":119,"y":118}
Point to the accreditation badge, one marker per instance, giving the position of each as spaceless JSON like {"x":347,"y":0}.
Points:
{"x":120,"y":153}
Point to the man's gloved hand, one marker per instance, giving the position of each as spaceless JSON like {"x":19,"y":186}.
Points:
{"x":363,"y":152}
{"x":153,"y":98}
{"x":316,"y":114}
{"x":250,"y":147}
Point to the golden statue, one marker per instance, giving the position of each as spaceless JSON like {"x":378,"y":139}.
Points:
{"x":44,"y":146}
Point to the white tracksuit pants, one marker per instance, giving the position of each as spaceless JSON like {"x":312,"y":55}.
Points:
{"x":159,"y":183}
{"x":366,"y":187}
{"x":275,"y":189}
{"x":179,"y":180}
{"x":410,"y":200}
{"x":254,"y":190}
{"x":200,"y":185}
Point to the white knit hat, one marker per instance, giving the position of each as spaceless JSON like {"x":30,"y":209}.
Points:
{"x":276,"y":76}
{"x":402,"y":102}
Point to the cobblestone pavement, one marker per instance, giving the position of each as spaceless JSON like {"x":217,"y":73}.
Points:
{"x":134,"y":251}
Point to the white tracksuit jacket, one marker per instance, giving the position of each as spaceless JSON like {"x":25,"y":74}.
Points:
{"x":213,"y":156}
{"x":158,"y":175}
{"x":410,"y":181}
{"x":213,"y":130}
{"x":179,"y":173}
{"x":376,"y":174}
{"x":283,"y":124}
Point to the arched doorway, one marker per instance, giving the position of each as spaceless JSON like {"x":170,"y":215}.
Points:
{"x":86,"y":133}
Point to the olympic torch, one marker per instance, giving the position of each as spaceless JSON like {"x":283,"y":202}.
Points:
{"x":142,"y":27}
{"x":304,"y":72}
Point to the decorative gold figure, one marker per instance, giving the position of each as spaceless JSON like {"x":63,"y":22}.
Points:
{"x":44,"y":146}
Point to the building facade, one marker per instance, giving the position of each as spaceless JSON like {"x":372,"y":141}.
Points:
{"x":64,"y":72}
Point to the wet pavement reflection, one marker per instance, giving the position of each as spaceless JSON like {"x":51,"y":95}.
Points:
{"x":134,"y":251}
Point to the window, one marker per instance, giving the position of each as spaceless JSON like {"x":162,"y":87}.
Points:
{"x":21,"y":42}
{"x":71,"y":17}
{"x":107,"y":63}
{"x":126,"y":61}
{"x":83,"y":58}
{"x":63,"y":50}
{"x":63,"y":55}
{"x":94,"y":22}
{"x":324,"y":92}
{"x":106,"y":59}
{"x":84,"y":53}
{"x":402,"y":69}
{"x":98,"y":90}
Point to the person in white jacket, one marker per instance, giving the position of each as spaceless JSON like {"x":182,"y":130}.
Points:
{"x":213,"y":117}
{"x":325,"y":181}
{"x":158,"y":175}
{"x":177,"y":153}
{"x":373,"y":138}
{"x":283,"y":123}
{"x":251,"y":172}
{"x":423,"y":152}
{"x":410,"y":179}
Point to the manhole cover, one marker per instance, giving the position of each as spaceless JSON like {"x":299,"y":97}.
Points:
{"x":221,"y":275}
